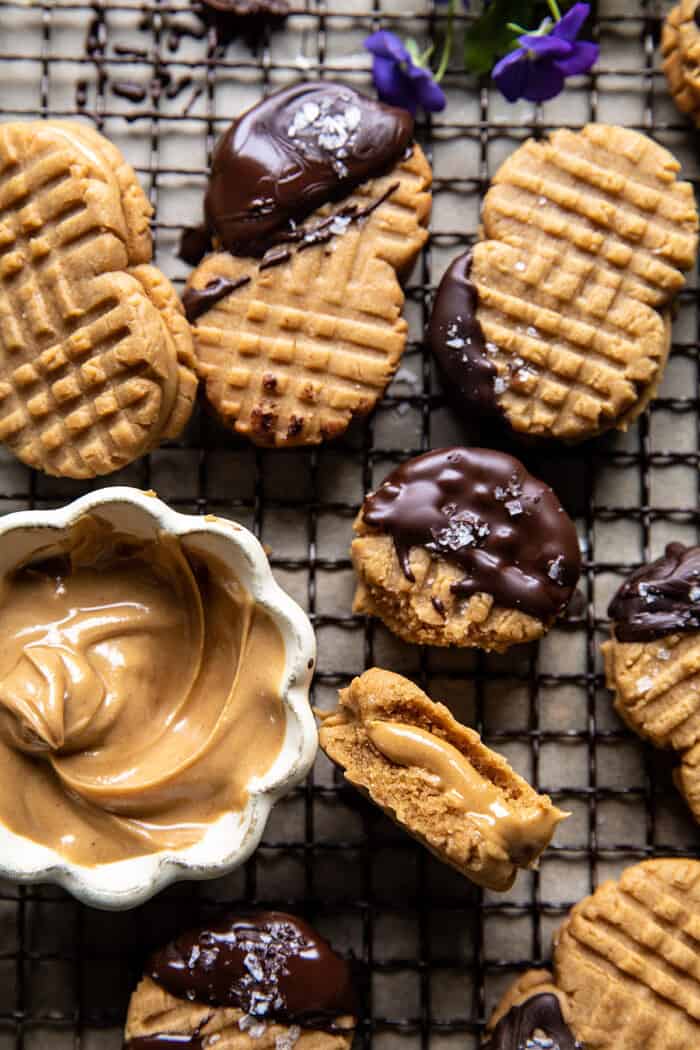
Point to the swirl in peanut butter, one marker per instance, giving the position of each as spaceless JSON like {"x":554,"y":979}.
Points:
{"x":139,"y":694}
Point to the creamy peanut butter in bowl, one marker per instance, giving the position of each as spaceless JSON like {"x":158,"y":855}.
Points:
{"x":153,"y":696}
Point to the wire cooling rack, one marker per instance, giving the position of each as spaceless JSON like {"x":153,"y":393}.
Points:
{"x":433,"y":952}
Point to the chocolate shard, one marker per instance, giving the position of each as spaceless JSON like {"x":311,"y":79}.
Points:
{"x":660,"y":598}
{"x":458,"y":344}
{"x":481,"y":510}
{"x":271,"y":965}
{"x":516,"y":1031}
{"x":300,"y":148}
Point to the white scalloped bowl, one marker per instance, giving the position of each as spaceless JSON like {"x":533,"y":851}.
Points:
{"x":230,"y":840}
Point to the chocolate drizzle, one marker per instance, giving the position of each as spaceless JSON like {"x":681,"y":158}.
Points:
{"x":660,"y":598}
{"x":301,"y":147}
{"x":457,"y":341}
{"x":542,"y":1012}
{"x":197,"y":301}
{"x":481,"y":510}
{"x":271,"y":965}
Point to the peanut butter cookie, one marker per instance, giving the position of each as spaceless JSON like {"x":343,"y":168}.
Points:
{"x":464,"y":547}
{"x":293,"y":345}
{"x":652,"y":662}
{"x":627,"y":960}
{"x":557,"y":322}
{"x":436,"y":779}
{"x":531,"y":1016}
{"x":680,"y":47}
{"x":96,"y":357}
{"x":625,"y":970}
{"x":263,"y":980}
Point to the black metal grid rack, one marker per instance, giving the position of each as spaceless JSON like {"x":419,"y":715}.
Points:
{"x":432,"y":951}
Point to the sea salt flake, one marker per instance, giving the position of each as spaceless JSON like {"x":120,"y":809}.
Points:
{"x":644,"y":683}
{"x":455,"y":343}
{"x":514,"y":507}
{"x":520,"y":266}
{"x":499,"y":385}
{"x":663,"y":654}
{"x":288,"y":1040}
{"x":555,"y":570}
{"x":694,"y":594}
{"x":254,"y":966}
{"x":533,"y":332}
{"x":491,"y":348}
{"x":353,"y":116}
{"x":340,"y":224}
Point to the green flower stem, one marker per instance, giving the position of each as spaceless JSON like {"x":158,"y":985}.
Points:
{"x":447,"y":46}
{"x":554,"y":8}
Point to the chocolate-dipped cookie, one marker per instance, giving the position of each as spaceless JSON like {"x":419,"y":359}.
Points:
{"x":317,"y":203}
{"x":462,"y":546}
{"x":557,"y":321}
{"x":652,"y":662}
{"x":264,"y":980}
{"x":437,"y":779}
{"x":531,"y":1016}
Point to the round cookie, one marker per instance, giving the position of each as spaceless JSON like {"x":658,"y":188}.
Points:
{"x":626,"y":960}
{"x":532,"y":1015}
{"x":462,"y":546}
{"x":557,"y":322}
{"x":652,"y":662}
{"x":96,"y":358}
{"x":263,"y":980}
{"x":436,"y":779}
{"x":680,"y":47}
{"x":321,"y":203}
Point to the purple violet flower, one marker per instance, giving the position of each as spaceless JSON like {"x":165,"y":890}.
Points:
{"x":536,"y":70}
{"x":397,"y":77}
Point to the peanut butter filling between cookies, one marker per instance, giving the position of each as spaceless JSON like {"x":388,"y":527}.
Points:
{"x":467,"y":789}
{"x":139,"y":694}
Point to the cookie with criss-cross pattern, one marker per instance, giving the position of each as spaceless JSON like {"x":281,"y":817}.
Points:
{"x":318,"y":203}
{"x":652,"y":661}
{"x":626,"y":971}
{"x":680,"y":47}
{"x":557,"y":323}
{"x":96,"y":356}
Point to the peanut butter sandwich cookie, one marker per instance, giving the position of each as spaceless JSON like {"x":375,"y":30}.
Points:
{"x":96,"y":356}
{"x":317,"y":203}
{"x":680,"y":47}
{"x":436,"y":779}
{"x":263,"y":980}
{"x":462,"y":546}
{"x":557,"y":322}
{"x":626,"y":973}
{"x":652,"y":662}
{"x":531,"y":1016}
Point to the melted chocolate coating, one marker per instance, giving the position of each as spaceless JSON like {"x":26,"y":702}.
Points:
{"x":457,"y":341}
{"x":197,"y":301}
{"x":482,"y":510}
{"x":271,"y":965}
{"x":660,"y":598}
{"x":297,"y":149}
{"x":516,"y":1029}
{"x":696,"y":16}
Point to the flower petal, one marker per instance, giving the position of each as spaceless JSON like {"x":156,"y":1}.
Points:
{"x":545,"y":45}
{"x":510,"y":74}
{"x":387,"y":45}
{"x":543,"y":81}
{"x":584,"y":56}
{"x":392,"y":84}
{"x":429,"y":94}
{"x":569,"y":26}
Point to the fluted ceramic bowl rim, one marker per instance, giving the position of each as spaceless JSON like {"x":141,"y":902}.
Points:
{"x":232,"y":838}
